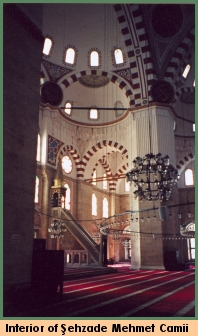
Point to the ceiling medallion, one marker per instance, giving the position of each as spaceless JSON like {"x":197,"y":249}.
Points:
{"x":162,"y":92}
{"x":187,"y":97}
{"x":167,"y":19}
{"x":51,"y":93}
{"x":94,"y":81}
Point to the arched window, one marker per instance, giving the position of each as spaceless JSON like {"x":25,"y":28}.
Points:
{"x":36,"y":195}
{"x":68,"y":197}
{"x":76,"y":258}
{"x":186,"y":71}
{"x":127,"y":186}
{"x":38,"y":154}
{"x":69,"y":258}
{"x":68,"y":106}
{"x":189,"y":180}
{"x":118,"y":56}
{"x":70,"y":56}
{"x":94,"y":205}
{"x":105,"y":208}
{"x":94,"y":58}
{"x":94,"y":177}
{"x":104,"y":181}
{"x":93,"y":114}
{"x":191,"y":248}
{"x":47,"y":46}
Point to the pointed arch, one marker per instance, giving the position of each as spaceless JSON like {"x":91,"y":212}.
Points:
{"x":98,"y":147}
{"x":66,"y":81}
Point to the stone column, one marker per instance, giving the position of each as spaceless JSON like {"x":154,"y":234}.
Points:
{"x":152,"y":131}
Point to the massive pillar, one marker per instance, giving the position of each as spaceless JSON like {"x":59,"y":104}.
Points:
{"x":23,"y":43}
{"x":153,"y":131}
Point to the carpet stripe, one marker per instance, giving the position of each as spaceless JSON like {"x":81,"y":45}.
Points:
{"x":110,"y":283}
{"x":80,"y":311}
{"x":91,"y":281}
{"x":70,"y":283}
{"x":116,"y":288}
{"x":160,"y":298}
{"x":185,"y":310}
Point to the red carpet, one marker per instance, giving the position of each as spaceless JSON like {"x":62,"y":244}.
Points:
{"x":127,"y":293}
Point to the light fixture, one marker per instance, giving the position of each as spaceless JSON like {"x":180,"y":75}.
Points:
{"x":57,"y":229}
{"x":154,"y":176}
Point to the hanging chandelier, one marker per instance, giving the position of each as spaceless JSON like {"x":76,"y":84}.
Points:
{"x":57,"y":229}
{"x":153,"y":176}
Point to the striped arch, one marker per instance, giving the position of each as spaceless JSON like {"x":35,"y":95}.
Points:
{"x":106,"y":167}
{"x":179,"y":60}
{"x":183,"y":161}
{"x":113,"y":181}
{"x":94,"y":149}
{"x":65,"y":149}
{"x":179,"y":92}
{"x":138,"y":51}
{"x":66,"y":81}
